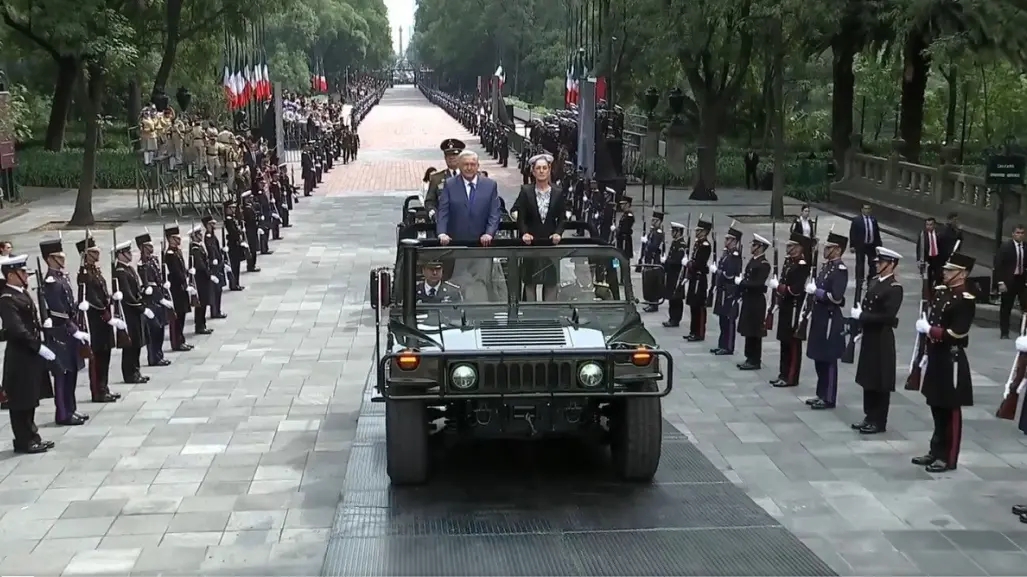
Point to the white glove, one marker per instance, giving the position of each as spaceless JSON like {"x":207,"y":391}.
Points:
{"x":214,"y":279}
{"x":684,"y":261}
{"x":215,"y":263}
{"x":191,"y":290}
{"x":148,"y":291}
{"x":922,"y":326}
{"x":122,"y":325}
{"x":46,"y":353}
{"x":48,"y":324}
{"x":148,"y":313}
{"x":1021,"y":344}
{"x":773,"y":283}
{"x":113,"y":323}
{"x":117,"y":296}
{"x":228,"y":269}
{"x":260,"y":231}
{"x":192,"y":271}
{"x":83,"y":306}
{"x":167,"y":284}
{"x":431,"y":214}
{"x":644,"y":239}
{"x":811,"y":288}
{"x":738,"y":279}
{"x":244,"y":245}
{"x":663,"y":259}
{"x":81,"y":336}
{"x":283,"y":206}
{"x":713,"y":268}
{"x":855,"y":313}
{"x":166,"y":303}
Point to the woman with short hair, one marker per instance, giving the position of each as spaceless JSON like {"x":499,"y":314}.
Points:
{"x":541,"y":214}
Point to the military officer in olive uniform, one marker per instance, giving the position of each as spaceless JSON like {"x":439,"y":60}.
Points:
{"x":66,"y":337}
{"x":791,"y":293}
{"x":947,"y":384}
{"x":652,"y":253}
{"x":725,"y":298}
{"x":878,"y":315}
{"x":677,"y":256}
{"x":752,"y":285}
{"x":435,"y":290}
{"x":697,"y":271}
{"x":451,"y":149}
{"x":827,"y":324}
{"x":623,"y":231}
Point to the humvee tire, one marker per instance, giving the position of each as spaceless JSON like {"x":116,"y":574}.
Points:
{"x":406,"y":442}
{"x":637,"y":439}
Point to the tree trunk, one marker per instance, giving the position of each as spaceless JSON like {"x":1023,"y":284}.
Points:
{"x":952,"y":79}
{"x":777,"y":197}
{"x":844,"y":81}
{"x":63,"y":95}
{"x":134,"y":108}
{"x":709,"y":141}
{"x":917,"y":65}
{"x":173,"y":21}
{"x":93,"y":104}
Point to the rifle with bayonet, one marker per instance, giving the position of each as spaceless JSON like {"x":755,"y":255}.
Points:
{"x":768,"y":323}
{"x":165,"y":286}
{"x":121,"y":337}
{"x":683,"y":275}
{"x":714,"y":256}
{"x":853,"y":328}
{"x":1011,"y":398}
{"x":807,"y":300}
{"x":916,"y":363}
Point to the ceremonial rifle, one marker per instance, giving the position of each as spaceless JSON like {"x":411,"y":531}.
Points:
{"x":122,"y":340}
{"x":714,"y":257}
{"x":683,"y":275}
{"x":1011,"y":400}
{"x":165,"y":292}
{"x":917,"y":362}
{"x":45,"y":322}
{"x":194,"y":293}
{"x":853,"y":329}
{"x":768,"y":323}
{"x":807,"y":300}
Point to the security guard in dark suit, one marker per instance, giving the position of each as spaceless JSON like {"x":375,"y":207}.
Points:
{"x":433,"y":289}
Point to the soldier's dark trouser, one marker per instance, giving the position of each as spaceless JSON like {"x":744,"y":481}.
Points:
{"x":284,"y":211}
{"x":948,"y":434}
{"x":875,"y":406}
{"x":827,"y":381}
{"x":251,"y":260}
{"x":64,"y":395}
{"x":23,"y":427}
{"x":177,"y":329}
{"x":308,"y":184}
{"x":726,"y":341}
{"x":319,"y":177}
{"x":215,"y":303}
{"x":99,"y":373}
{"x":697,"y":322}
{"x":154,"y":344}
{"x":235,"y":263}
{"x":753,"y":349}
{"x":675,"y":310}
{"x":276,"y":230}
{"x":790,"y":366}
{"x":264,"y":247}
{"x":130,"y":362}
{"x":200,"y":317}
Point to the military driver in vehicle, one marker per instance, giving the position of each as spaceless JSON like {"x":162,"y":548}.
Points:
{"x":434,"y":290}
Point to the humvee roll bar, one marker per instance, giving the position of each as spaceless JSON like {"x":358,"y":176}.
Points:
{"x":409,"y":232}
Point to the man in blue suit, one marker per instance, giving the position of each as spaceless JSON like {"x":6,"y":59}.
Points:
{"x":468,"y":205}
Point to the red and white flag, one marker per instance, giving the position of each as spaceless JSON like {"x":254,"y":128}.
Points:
{"x":229,"y":86}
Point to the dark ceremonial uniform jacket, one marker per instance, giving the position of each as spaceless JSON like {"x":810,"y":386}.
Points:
{"x":672,"y":269}
{"x":753,"y":293}
{"x":307,"y":163}
{"x":653,"y":248}
{"x":264,"y":204}
{"x":826,"y":322}
{"x":234,"y":237}
{"x":249,"y":217}
{"x":875,"y":370}
{"x":790,"y":292}
{"x":98,"y":296}
{"x":60,"y":302}
{"x":132,"y":303}
{"x":444,"y":292}
{"x":725,"y":297}
{"x":947,"y":381}
{"x":178,"y":274}
{"x":624,"y":232}
{"x":153,"y":290}
{"x":698,"y":273}
{"x":213,"y":246}
{"x":26,"y":377}
{"x":201,"y":267}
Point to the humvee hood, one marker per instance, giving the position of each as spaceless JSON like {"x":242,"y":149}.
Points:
{"x":519,"y":335}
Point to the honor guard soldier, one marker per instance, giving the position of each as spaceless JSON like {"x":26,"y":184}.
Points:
{"x":151,"y":276}
{"x":307,"y":169}
{"x":178,"y":279}
{"x":826,"y":322}
{"x":93,"y":290}
{"x":878,"y":316}
{"x":203,"y":280}
{"x":947,"y":384}
{"x":791,"y":291}
{"x":234,"y":240}
{"x":624,"y":229}
{"x":725,"y":296}
{"x":66,"y":338}
{"x":265,"y":218}
{"x":677,"y":256}
{"x":26,"y":377}
{"x":252,"y":228}
{"x":652,"y":253}
{"x":752,"y":285}
{"x":451,"y":149}
{"x":135,"y":309}
{"x":697,"y":271}
{"x":217,"y":266}
{"x":433,"y":289}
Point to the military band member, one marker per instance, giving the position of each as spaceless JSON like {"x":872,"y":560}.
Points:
{"x":26,"y":376}
{"x":697,"y":271}
{"x":180,"y":288}
{"x":753,"y":303}
{"x":826,"y":338}
{"x":203,"y":280}
{"x":94,"y":292}
{"x":435,"y":290}
{"x":152,"y":278}
{"x":66,"y":337}
{"x":652,"y":253}
{"x":677,"y":256}
{"x":624,"y":229}
{"x":252,"y":228}
{"x":791,"y":292}
{"x":947,"y":384}
{"x":133,"y":305}
{"x":235,"y":242}
{"x":878,"y":315}
{"x":725,"y":299}
{"x":451,"y":149}
{"x":217,"y":266}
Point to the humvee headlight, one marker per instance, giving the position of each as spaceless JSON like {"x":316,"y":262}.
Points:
{"x":464,"y":377}
{"x":590,"y":375}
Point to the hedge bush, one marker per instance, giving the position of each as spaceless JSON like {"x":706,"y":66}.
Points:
{"x":42,"y":168}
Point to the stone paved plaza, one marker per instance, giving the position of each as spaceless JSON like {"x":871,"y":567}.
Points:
{"x":231,"y":460}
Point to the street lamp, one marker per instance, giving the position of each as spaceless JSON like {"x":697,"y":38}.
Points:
{"x":652,"y":100}
{"x":184,"y":97}
{"x":676,"y":100}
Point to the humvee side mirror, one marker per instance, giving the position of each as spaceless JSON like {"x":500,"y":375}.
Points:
{"x":381,"y":288}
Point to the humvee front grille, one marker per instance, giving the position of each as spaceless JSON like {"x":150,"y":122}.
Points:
{"x":522,"y":333}
{"x":528,"y":376}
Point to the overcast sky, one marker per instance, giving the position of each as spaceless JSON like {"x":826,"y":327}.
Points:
{"x":401,"y":15}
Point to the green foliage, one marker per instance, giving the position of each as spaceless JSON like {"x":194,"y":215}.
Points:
{"x":63,"y":170}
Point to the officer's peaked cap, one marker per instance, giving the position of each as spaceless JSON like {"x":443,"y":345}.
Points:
{"x":759,"y":239}
{"x":52,"y":246}
{"x":122,"y":246}
{"x":887,"y":254}
{"x":7,"y":264}
{"x":452,"y":145}
{"x":837,"y":240}
{"x":959,"y":261}
{"x":677,"y":226}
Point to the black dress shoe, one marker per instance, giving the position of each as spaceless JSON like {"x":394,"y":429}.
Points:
{"x":782,"y":384}
{"x":160,"y":363}
{"x":859,"y":425}
{"x":872,"y":429}
{"x":115,"y":395}
{"x":237,"y":288}
{"x":82,"y":416}
{"x":924,"y":460}
{"x":47,"y":444}
{"x":3,"y":406}
{"x":695,"y":339}
{"x":72,"y":421}
{"x":182,"y":348}
{"x":722,"y":352}
{"x":1023,"y":518}
{"x":650,"y":309}
{"x":1020,"y":509}
{"x":267,"y":252}
{"x":204,"y":331}
{"x":939,"y":466}
{"x":671,"y":325}
{"x":254,"y":269}
{"x":811,"y":400}
{"x":108,"y":398}
{"x":1004,"y":337}
{"x":137,"y":380}
{"x":714,"y":350}
{"x":221,"y":316}
{"x":820,"y":405}
{"x":32,"y":449}
{"x":748,"y":366}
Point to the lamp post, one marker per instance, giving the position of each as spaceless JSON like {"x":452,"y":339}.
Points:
{"x":676,"y":100}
